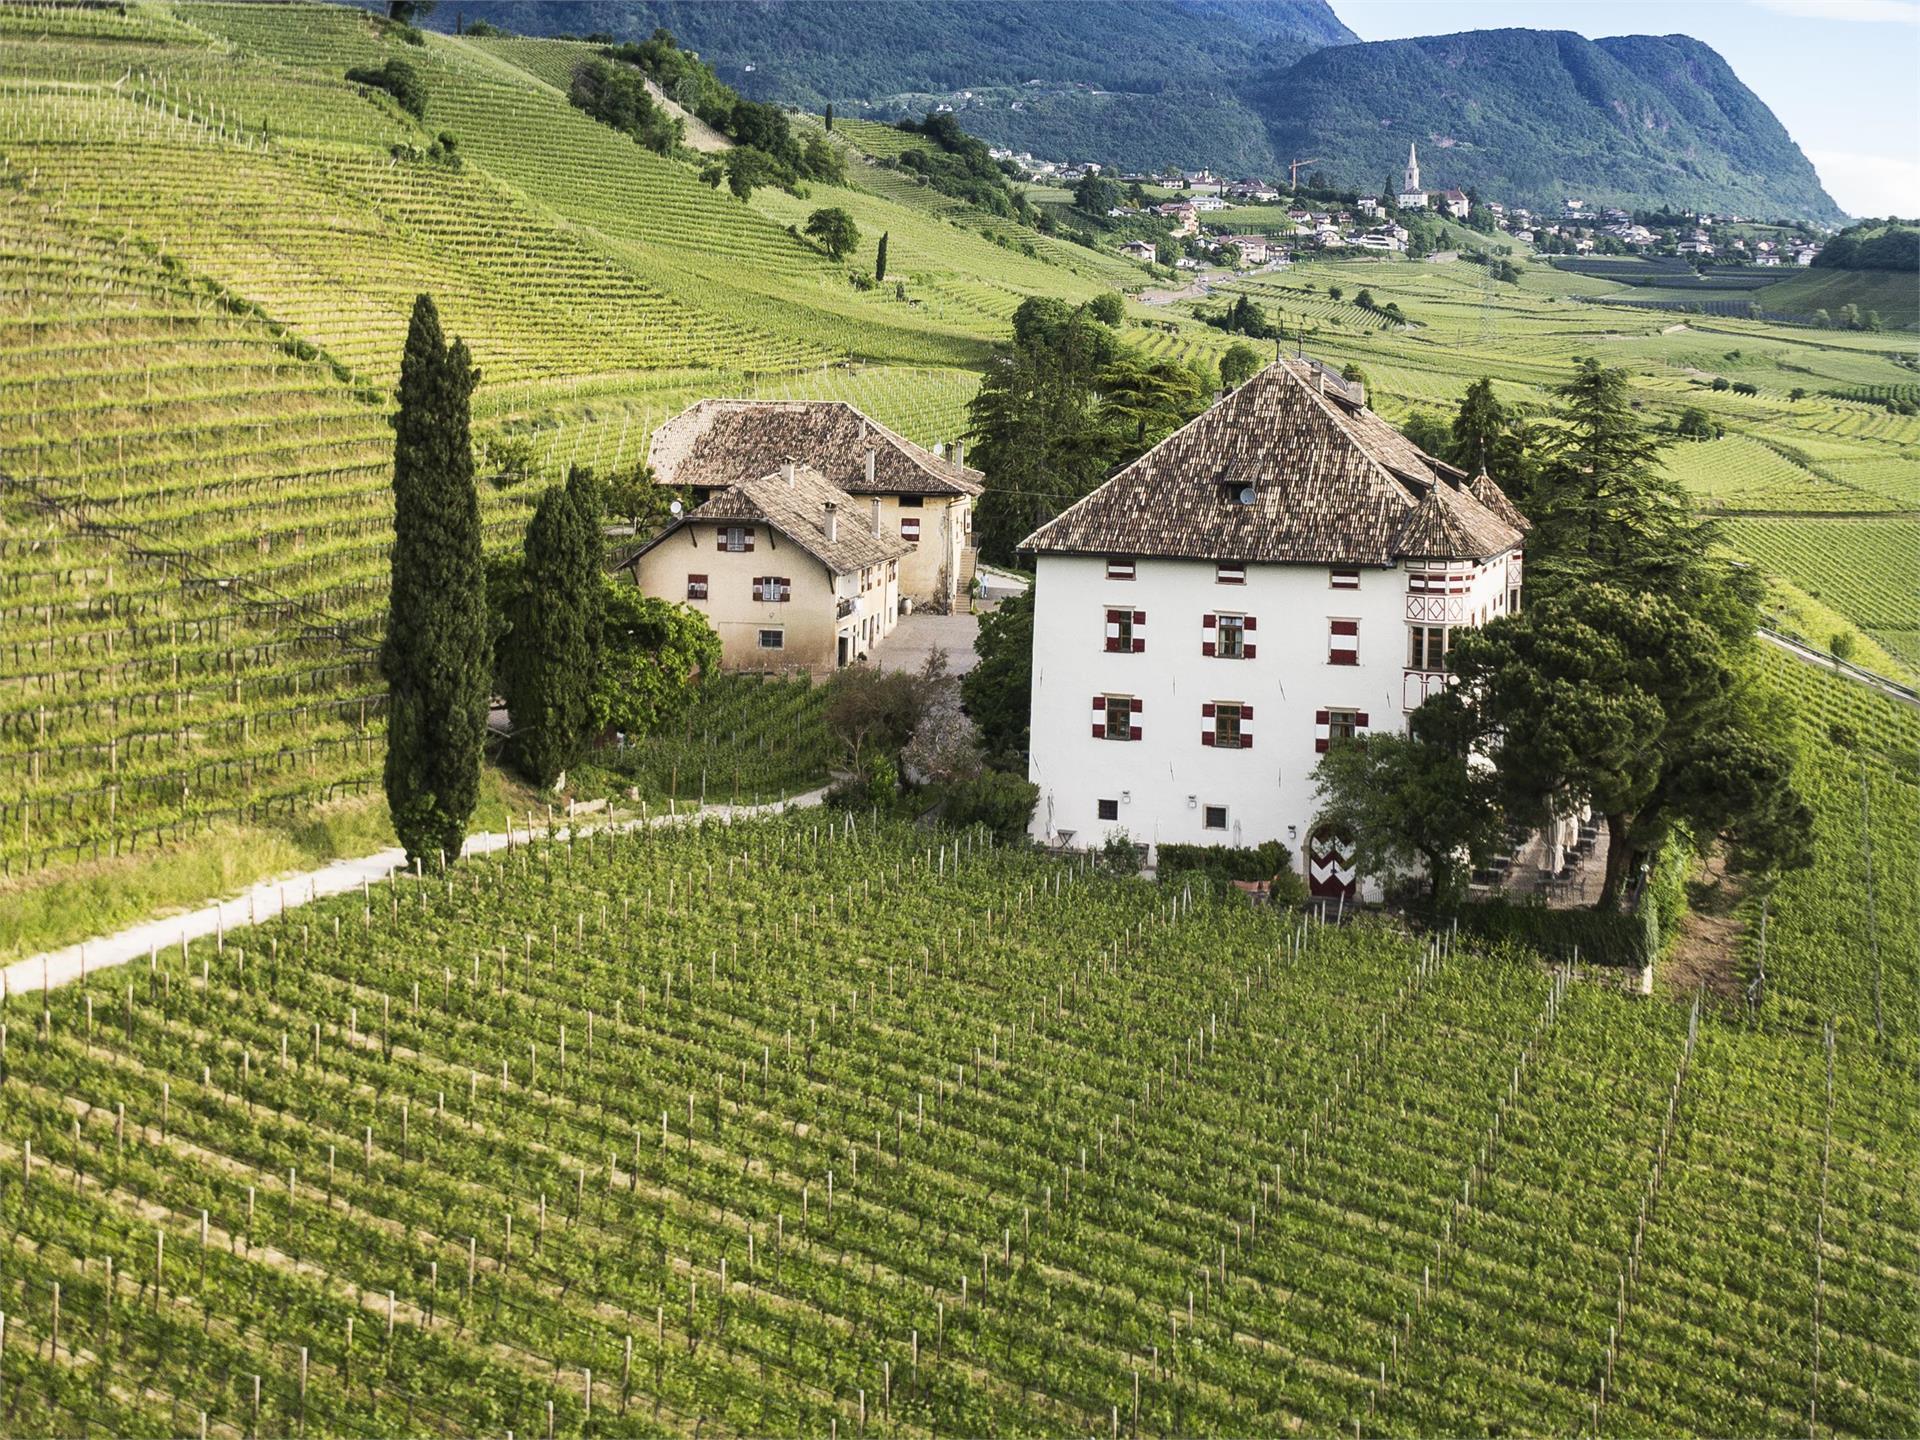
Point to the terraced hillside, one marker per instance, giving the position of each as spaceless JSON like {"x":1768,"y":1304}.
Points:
{"x":211,"y":243}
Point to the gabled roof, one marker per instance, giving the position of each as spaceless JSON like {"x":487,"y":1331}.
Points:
{"x":1332,"y":484}
{"x":722,"y":442}
{"x":796,"y":506}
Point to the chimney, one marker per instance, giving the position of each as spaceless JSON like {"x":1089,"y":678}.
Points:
{"x":871,"y":458}
{"x":833,"y":521}
{"x":786,"y":471}
{"x":876,"y":515}
{"x":960,"y":453}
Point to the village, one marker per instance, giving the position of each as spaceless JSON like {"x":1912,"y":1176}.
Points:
{"x":1194,"y":220}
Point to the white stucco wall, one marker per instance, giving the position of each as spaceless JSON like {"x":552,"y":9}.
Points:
{"x":1165,"y":780}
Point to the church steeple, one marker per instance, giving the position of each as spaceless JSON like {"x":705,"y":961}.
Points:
{"x":1413,"y":171}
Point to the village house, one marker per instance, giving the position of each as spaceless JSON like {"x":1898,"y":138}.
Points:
{"x":922,"y":499}
{"x":1186,"y":219}
{"x":1139,"y":250}
{"x":1253,"y":248}
{"x":1285,"y":570}
{"x":785,"y":567}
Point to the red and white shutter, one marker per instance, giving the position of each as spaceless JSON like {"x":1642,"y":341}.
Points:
{"x":1207,"y":625}
{"x":1114,"y":619}
{"x":1246,"y":727}
{"x":1343,"y":642}
{"x":1247,"y":648}
{"x":1139,"y":624}
{"x":1322,"y":731}
{"x":910,"y":529}
{"x":1359,"y":721}
{"x":1133,"y":730}
{"x":748,"y":533}
{"x":1099,"y":717}
{"x":759,"y":590}
{"x":1207,"y":714}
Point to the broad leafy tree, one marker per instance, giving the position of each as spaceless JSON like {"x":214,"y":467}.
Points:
{"x":1624,"y":700}
{"x":999,"y":690}
{"x":1239,"y":364}
{"x":835,"y":230}
{"x":435,"y":655}
{"x":1416,"y":804}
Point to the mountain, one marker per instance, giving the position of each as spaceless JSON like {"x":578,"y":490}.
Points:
{"x":807,"y":52}
{"x":1527,"y":116}
{"x":1132,"y":82}
{"x":1533,"y":116}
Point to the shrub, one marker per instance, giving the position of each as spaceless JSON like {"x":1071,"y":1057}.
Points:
{"x":400,"y":80}
{"x":1000,"y":801}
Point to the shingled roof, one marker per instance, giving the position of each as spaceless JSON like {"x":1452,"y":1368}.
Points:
{"x":721,"y":442}
{"x":1332,"y":484}
{"x":795,"y":506}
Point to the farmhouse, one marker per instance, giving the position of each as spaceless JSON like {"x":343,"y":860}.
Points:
{"x":784,"y":566}
{"x":1286,"y":568}
{"x":923,"y":499}
{"x":1139,"y":250}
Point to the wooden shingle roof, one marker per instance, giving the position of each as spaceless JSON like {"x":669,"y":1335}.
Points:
{"x":716,"y":443}
{"x":1291,"y":468}
{"x":795,"y":505}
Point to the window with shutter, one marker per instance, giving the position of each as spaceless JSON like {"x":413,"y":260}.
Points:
{"x":1343,"y":642}
{"x":1229,"y":574}
{"x":1331,"y":725}
{"x":1229,"y":730}
{"x":1119,"y":568}
{"x":1116,"y":717}
{"x":1344,"y":579}
{"x":1124,"y":629}
{"x":696,"y":587}
{"x":910,"y":529}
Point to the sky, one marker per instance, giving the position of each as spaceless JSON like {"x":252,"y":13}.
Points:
{"x":1842,"y":75}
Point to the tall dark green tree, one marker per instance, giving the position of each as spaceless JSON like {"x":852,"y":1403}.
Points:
{"x":435,"y":657}
{"x":1038,"y":433}
{"x":830,"y":116}
{"x":1605,"y":510}
{"x":880,"y":260}
{"x":551,"y":660}
{"x":1488,"y":435}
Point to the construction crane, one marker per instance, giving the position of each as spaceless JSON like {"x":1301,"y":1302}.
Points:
{"x":1293,"y":172}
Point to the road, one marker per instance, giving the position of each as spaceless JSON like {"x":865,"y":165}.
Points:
{"x":1892,"y":689}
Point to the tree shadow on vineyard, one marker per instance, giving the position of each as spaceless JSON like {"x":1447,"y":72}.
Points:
{"x":1706,"y":946}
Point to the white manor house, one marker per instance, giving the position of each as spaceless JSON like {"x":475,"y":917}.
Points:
{"x":1284,"y":570}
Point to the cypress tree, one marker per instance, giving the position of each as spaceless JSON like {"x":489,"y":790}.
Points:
{"x":552,"y":651}
{"x":829,"y":115}
{"x":434,"y":657}
{"x":880,"y":259}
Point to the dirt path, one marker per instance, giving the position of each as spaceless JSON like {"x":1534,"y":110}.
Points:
{"x":1706,"y":950}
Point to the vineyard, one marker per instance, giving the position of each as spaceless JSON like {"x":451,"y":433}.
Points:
{"x":815,"y":1127}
